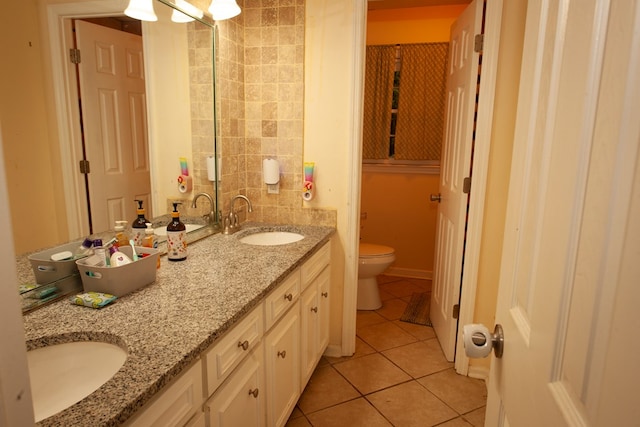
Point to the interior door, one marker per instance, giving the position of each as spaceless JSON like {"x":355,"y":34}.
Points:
{"x":455,"y":167}
{"x":569,"y":278}
{"x":113,"y":104}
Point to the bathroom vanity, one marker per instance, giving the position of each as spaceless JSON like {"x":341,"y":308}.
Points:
{"x":231,"y":335}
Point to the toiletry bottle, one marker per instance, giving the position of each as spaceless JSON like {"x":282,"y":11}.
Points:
{"x":118,"y":258}
{"x":100,"y":253}
{"x":84,"y":249}
{"x":176,"y":237}
{"x":150,"y":240}
{"x":122,"y":237}
{"x":139,"y":225}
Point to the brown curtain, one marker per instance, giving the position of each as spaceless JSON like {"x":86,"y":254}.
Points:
{"x":421,"y":102}
{"x":378,"y":93}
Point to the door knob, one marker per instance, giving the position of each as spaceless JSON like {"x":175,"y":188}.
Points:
{"x":478,"y":341}
{"x":435,"y":197}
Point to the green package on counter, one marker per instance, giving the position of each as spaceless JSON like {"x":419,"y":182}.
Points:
{"x":93,"y":299}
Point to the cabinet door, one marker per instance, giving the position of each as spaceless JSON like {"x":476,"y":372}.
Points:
{"x":324,"y":285}
{"x":240,"y":399}
{"x":282,"y":364}
{"x":309,"y":326}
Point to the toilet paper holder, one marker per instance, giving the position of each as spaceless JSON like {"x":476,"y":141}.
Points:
{"x":478,"y":341}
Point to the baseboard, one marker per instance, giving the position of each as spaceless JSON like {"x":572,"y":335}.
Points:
{"x":334,"y":350}
{"x":479,"y":372}
{"x":409,"y":272}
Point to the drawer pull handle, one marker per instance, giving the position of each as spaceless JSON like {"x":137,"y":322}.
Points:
{"x":288,"y":297}
{"x":254,"y":392}
{"x":314,"y":309}
{"x":244,"y":344}
{"x":282,"y":353}
{"x":325,"y":294}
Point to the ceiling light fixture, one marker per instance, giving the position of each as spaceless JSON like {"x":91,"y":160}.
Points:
{"x":224,"y":9}
{"x":191,"y":10}
{"x":141,"y":9}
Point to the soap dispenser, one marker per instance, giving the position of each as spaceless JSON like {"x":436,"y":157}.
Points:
{"x":139,"y":225}
{"x":176,"y":237}
{"x":122,"y":238}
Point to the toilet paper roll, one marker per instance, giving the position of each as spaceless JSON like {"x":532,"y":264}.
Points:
{"x":271,"y":171}
{"x":477,"y":339}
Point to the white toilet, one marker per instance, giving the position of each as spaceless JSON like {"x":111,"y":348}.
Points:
{"x":372,"y":261}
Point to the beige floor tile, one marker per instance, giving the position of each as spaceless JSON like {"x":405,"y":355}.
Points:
{"x":325,"y":388}
{"x":355,"y":413}
{"x":384,"y":295}
{"x":456,"y":422}
{"x":420,"y":358}
{"x":401,"y":288}
{"x":296,"y":413}
{"x":362,"y":349}
{"x":384,"y":336}
{"x":463,"y":394}
{"x":424,"y":284}
{"x":421,"y":332}
{"x":371,"y":373}
{"x":392,"y":309}
{"x":475,"y":418}
{"x":382,"y":279}
{"x":366,"y":318}
{"x":298,"y":422}
{"x":410,"y":404}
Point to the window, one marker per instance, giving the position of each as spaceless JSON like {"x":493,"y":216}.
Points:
{"x":405,"y":88}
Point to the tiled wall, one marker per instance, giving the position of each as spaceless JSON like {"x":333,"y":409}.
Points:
{"x":260,"y":83}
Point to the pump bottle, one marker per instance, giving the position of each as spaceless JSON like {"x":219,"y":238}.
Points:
{"x":176,"y":237}
{"x":150,"y":240}
{"x":139,"y":225}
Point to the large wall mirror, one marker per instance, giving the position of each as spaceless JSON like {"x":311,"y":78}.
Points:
{"x":174,"y":118}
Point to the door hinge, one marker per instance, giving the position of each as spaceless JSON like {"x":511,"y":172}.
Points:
{"x":456,"y":311}
{"x":466,"y":185}
{"x":74,"y":55}
{"x":478,"y":43}
{"x":85,"y":168}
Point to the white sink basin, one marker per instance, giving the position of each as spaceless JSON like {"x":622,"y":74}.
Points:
{"x":271,"y":238}
{"x":64,"y":374}
{"x":162,"y":231}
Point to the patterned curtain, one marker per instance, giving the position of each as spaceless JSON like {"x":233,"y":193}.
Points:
{"x":378,"y":92}
{"x":422,"y":101}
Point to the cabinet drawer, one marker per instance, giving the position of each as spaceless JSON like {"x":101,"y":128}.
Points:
{"x":315,"y":265}
{"x":283,"y":297}
{"x":240,"y":400}
{"x":176,"y":404}
{"x":224,"y":356}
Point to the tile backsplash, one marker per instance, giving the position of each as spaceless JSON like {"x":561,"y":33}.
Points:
{"x":260,"y":93}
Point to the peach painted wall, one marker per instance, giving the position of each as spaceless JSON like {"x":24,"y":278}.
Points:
{"x":398,"y":211}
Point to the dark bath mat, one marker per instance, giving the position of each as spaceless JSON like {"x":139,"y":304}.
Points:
{"x":418,"y":309}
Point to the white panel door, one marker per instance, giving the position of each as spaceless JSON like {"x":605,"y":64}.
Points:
{"x":569,"y":284}
{"x":114,"y":116}
{"x":455,"y":166}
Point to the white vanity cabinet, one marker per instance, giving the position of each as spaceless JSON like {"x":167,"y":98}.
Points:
{"x":178,"y":405}
{"x":314,"y":311}
{"x":254,"y":374}
{"x":282,"y":366}
{"x":240,"y":401}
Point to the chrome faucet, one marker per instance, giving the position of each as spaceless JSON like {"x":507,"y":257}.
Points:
{"x":210,"y":218}
{"x":231,"y":222}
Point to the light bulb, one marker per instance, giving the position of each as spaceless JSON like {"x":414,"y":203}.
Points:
{"x":224,"y":9}
{"x":141,"y":9}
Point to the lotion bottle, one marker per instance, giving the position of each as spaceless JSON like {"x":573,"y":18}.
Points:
{"x":150,"y":240}
{"x":118,"y":258}
{"x":176,"y":237}
{"x":139,"y":225}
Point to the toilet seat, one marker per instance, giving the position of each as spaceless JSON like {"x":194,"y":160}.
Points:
{"x":370,"y":250}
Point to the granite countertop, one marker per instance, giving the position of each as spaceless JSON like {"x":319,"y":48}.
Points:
{"x":164,"y":327}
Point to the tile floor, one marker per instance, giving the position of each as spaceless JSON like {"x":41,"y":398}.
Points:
{"x":398,"y":375}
